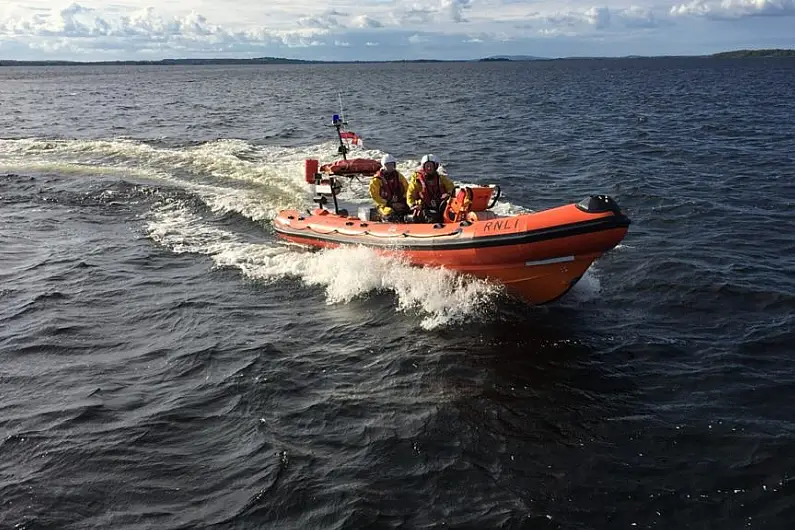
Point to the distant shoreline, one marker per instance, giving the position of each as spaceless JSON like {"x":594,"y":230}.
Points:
{"x":736,"y":54}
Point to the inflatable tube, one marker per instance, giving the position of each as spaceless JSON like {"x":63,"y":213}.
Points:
{"x":537,"y":256}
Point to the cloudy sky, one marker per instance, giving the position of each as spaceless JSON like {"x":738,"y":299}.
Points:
{"x":387,"y":29}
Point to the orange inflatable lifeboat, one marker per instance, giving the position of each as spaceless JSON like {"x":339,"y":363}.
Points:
{"x":537,"y":256}
{"x":353,"y":166}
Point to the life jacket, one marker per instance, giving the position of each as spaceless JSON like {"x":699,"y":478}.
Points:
{"x":391,"y":188}
{"x":432,"y":189}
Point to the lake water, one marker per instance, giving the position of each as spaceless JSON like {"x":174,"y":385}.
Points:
{"x":166,"y":362}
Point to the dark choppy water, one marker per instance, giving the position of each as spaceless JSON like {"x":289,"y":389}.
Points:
{"x":165,"y":363}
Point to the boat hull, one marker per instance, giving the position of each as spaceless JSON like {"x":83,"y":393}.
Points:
{"x":537,"y":257}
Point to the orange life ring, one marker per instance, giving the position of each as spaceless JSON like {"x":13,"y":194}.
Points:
{"x":354,"y":166}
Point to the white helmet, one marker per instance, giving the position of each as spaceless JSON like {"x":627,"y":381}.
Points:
{"x":387,"y":159}
{"x":429,"y":158}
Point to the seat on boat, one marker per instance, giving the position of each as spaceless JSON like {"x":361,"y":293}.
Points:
{"x":481,"y":195}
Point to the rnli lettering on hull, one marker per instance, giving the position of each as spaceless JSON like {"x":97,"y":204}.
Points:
{"x":503,"y":225}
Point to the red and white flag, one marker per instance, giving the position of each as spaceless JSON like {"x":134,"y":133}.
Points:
{"x":352,"y":138}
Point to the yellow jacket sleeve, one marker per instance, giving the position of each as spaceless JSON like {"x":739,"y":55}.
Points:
{"x":413,"y":191}
{"x":403,"y":181}
{"x":447,"y":184}
{"x":405,"y":185}
{"x":375,"y":194}
{"x":375,"y":191}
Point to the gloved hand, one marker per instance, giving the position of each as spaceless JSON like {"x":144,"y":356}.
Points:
{"x":386,"y":210}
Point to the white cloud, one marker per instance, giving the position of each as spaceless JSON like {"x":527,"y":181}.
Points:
{"x":363,"y":21}
{"x":735,"y":8}
{"x":383,"y":29}
{"x":455,"y":8}
{"x":415,"y":16}
{"x":319,"y":22}
{"x":638,"y":17}
{"x":83,"y":30}
{"x":598,"y":17}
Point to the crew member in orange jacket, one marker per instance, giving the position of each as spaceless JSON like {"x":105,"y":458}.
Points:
{"x":428,"y":191}
{"x":388,"y":189}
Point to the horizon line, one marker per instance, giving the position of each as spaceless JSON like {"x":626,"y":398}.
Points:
{"x":781,"y":52}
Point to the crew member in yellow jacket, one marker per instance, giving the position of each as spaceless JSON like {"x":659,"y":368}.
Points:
{"x":428,"y":191}
{"x":388,"y":189}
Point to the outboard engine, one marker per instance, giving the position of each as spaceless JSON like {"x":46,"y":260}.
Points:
{"x":599,"y":204}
